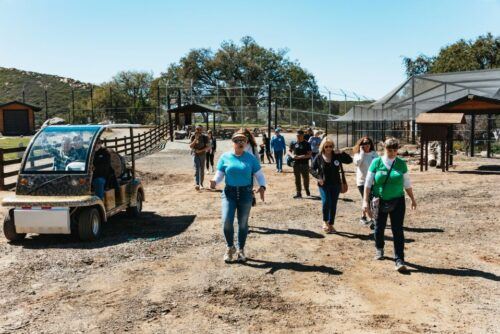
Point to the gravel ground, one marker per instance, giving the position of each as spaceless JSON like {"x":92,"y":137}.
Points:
{"x":163,"y":272}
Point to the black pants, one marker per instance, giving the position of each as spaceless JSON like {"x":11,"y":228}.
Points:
{"x":269,"y":156}
{"x":210,"y":159}
{"x":301,"y":170}
{"x":397,"y":219}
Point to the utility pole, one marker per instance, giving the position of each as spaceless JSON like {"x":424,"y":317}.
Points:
{"x":72,"y":117}
{"x":329,"y":101}
{"x":241,"y":103}
{"x":290,"y":108}
{"x":92,"y":103}
{"x":312,"y":108}
{"x":269,"y":99}
{"x":46,"y":105}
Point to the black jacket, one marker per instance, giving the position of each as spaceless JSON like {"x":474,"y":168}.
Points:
{"x":102,"y":163}
{"x":329,"y":172}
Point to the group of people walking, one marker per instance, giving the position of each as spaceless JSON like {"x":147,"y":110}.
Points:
{"x":381,"y":180}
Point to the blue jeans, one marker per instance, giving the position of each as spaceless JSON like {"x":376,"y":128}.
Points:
{"x":199,"y":168}
{"x":99,"y":183}
{"x":278,"y":155}
{"x":236,"y":200}
{"x":329,"y":198}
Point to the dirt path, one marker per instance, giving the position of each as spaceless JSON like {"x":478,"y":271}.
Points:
{"x":164,"y":272}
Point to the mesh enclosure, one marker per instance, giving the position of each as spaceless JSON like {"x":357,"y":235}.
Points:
{"x":425,"y":92}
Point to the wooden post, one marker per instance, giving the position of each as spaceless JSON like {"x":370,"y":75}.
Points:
{"x":157,"y":103}
{"x":450,"y":142}
{"x":426,"y":161}
{"x":447,"y":154}
{"x":2,"y":181}
{"x":443,"y":167}
{"x":170,"y":125}
{"x":132,"y":155}
{"x":338,"y":125}
{"x":326,"y":127}
{"x":488,"y":137}
{"x":471,"y":139}
{"x":213,"y":120}
{"x":422,"y":154}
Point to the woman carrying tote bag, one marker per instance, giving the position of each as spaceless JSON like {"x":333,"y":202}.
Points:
{"x":327,"y":169}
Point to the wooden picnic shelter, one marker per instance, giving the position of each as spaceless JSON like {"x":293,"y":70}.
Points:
{"x":187,"y":111}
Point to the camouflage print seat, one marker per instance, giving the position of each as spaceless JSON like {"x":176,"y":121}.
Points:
{"x":117,"y":163}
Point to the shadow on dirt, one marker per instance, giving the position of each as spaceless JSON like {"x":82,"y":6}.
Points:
{"x":295,"y":266}
{"x":481,"y":170}
{"x":422,"y":230}
{"x":119,"y":229}
{"x":292,"y":231}
{"x":367,"y":237}
{"x":458,"y":272}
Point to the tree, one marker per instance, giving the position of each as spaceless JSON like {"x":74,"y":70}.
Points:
{"x":240,"y":73}
{"x":482,"y":53}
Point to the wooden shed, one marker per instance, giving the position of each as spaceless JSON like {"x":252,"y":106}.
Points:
{"x":437,"y":127}
{"x":17,"y":118}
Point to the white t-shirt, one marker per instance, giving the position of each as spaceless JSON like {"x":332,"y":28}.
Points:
{"x":362,"y":161}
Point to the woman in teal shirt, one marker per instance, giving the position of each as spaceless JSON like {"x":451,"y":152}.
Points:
{"x":390,"y":188}
{"x":238,"y":167}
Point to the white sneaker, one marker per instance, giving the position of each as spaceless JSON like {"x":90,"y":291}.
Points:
{"x":241,"y":256}
{"x":228,"y":256}
{"x":400,"y":266}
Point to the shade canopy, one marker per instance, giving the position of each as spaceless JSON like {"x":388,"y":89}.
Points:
{"x":195,"y":108}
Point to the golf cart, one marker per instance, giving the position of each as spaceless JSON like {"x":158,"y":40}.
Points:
{"x":54,"y":193}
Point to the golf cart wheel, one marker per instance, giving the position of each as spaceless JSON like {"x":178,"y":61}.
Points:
{"x":9,"y":229}
{"x":89,"y":224}
{"x":135,"y":211}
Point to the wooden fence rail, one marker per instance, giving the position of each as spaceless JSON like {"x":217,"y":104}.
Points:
{"x":143,"y":144}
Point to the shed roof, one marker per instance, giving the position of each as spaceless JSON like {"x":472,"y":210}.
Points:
{"x":441,"y":118}
{"x":471,"y":104}
{"x":30,"y":106}
{"x":194,"y":108}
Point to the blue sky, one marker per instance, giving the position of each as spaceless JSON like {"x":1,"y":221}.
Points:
{"x":354,"y":45}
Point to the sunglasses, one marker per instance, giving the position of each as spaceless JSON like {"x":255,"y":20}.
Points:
{"x":328,"y":146}
{"x":366,"y":143}
{"x":239,"y":141}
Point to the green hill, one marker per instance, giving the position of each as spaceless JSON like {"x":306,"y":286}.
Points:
{"x":13,"y":81}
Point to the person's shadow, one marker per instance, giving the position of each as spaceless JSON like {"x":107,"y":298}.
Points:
{"x":459,"y":272}
{"x":295,"y":266}
{"x":291,"y":231}
{"x":366,"y":237}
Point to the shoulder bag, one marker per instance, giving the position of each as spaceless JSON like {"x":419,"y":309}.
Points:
{"x":378,"y":204}
{"x":343,"y":185}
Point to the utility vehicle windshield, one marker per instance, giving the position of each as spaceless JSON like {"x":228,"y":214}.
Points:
{"x":61,"y":149}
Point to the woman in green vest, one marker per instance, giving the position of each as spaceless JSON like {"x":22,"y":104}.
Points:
{"x":389,"y":178}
